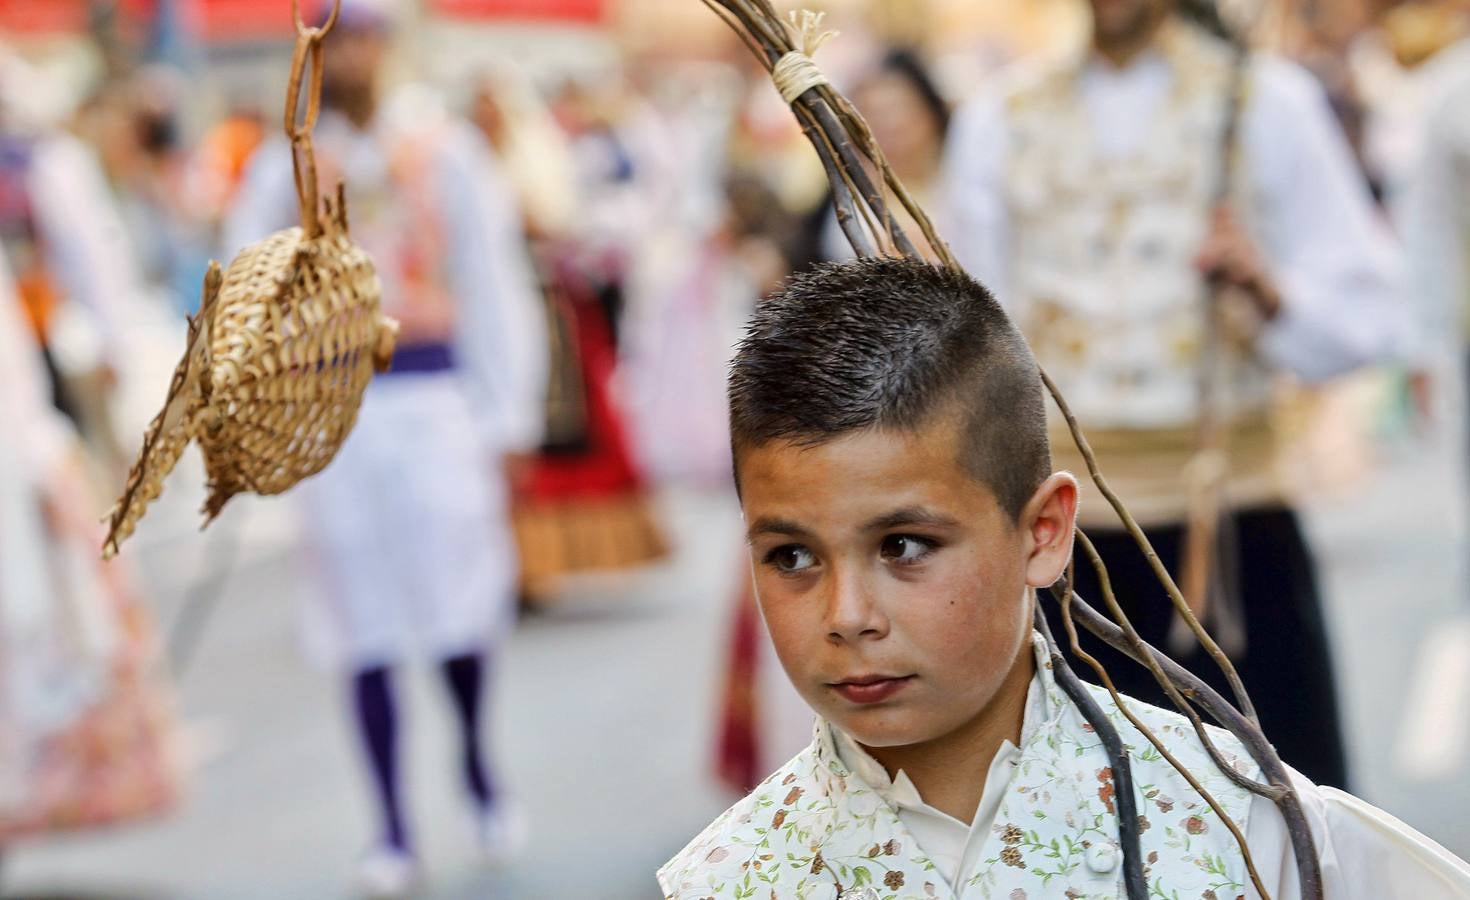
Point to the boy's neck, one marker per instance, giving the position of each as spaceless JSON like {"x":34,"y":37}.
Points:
{"x":949,"y":772}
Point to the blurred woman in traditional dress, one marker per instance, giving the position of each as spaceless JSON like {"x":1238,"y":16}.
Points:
{"x":84,"y":725}
{"x":580,"y":502}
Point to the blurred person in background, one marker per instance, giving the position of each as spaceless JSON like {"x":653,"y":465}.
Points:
{"x":580,"y":502}
{"x":85,"y":728}
{"x":154,"y":179}
{"x":161,"y":199}
{"x":69,"y":253}
{"x":1433,"y":208}
{"x":1083,"y":195}
{"x":698,"y":272}
{"x":762,"y":721}
{"x":1320,"y":37}
{"x":409,"y":523}
{"x":222,"y":155}
{"x":537,"y":160}
{"x":1408,"y":66}
{"x":1398,"y":69}
{"x":909,"y":117}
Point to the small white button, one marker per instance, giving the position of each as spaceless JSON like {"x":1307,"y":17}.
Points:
{"x":866,"y":893}
{"x":1102,"y":858}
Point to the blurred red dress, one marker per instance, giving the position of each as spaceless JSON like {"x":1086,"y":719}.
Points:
{"x":582,"y":504}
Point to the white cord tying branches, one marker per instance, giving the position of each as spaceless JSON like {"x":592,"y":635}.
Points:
{"x":796,"y":73}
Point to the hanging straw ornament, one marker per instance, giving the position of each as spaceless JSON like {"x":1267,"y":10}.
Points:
{"x":284,"y":344}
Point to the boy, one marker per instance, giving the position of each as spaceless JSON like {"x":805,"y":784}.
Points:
{"x":891,"y":454}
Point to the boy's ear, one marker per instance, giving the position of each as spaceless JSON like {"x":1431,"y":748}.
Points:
{"x":1048,"y":521}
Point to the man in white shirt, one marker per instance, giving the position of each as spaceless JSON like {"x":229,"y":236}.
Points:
{"x":1084,"y":195}
{"x":409,"y":524}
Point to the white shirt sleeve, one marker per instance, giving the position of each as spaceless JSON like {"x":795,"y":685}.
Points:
{"x":1435,"y":222}
{"x":1337,"y":267}
{"x":1365,"y":853}
{"x":973,"y":185}
{"x":85,"y":239}
{"x":265,"y":202}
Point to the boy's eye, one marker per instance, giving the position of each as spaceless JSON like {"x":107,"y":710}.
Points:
{"x":906,"y":548}
{"x":790,"y":558}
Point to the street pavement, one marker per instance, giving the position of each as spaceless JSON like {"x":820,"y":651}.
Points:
{"x":604,"y":706}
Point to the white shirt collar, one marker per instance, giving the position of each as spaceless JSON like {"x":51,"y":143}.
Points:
{"x":953,"y":846}
{"x":899,"y":791}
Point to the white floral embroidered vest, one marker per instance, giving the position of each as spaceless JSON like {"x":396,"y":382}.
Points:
{"x":1103,"y":246}
{"x":1104,"y":285}
{"x":815,"y":831}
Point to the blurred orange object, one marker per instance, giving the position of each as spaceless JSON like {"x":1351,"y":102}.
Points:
{"x":224,"y":152}
{"x":39,"y":298}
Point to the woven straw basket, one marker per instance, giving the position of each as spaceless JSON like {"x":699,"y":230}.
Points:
{"x":285,"y":343}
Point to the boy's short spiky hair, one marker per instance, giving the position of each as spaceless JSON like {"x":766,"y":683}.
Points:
{"x":886,"y":343}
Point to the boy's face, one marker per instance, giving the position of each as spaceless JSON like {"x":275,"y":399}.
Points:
{"x":892,"y":582}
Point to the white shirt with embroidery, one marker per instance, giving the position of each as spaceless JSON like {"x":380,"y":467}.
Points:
{"x":1338,"y":268}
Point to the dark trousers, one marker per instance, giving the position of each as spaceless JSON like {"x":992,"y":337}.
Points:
{"x":1286,"y":665}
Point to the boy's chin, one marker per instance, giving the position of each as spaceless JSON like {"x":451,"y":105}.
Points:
{"x":888,"y":731}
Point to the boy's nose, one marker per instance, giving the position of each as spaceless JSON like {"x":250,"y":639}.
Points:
{"x":852,"y":610}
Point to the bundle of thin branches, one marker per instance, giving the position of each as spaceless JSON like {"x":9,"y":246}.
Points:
{"x":864,"y":188}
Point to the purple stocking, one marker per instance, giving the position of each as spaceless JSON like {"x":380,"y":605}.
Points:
{"x":465,"y":676}
{"x":377,"y":723}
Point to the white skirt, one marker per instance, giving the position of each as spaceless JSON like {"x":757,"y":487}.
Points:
{"x":410,"y":532}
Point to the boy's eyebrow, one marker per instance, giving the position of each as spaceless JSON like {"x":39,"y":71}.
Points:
{"x":910,"y":515}
{"x":772,"y":525}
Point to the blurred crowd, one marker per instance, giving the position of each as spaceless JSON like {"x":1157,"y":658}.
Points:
{"x":572,"y":210}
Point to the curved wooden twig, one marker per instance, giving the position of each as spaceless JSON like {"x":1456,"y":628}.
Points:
{"x":1137,"y":643}
{"x":1237,"y":687}
{"x":1143,"y":729}
{"x":1309,"y":867}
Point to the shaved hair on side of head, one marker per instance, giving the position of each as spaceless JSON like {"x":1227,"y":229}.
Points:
{"x":891,"y":344}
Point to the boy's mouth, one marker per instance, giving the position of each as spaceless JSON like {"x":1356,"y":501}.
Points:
{"x":866,"y":689}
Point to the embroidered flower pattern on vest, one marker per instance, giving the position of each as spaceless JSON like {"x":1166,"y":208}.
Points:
{"x":1103,"y":278}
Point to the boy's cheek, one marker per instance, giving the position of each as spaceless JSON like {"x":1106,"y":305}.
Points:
{"x":960,"y":595}
{"x":961,"y":618}
{"x":788,"y":621}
